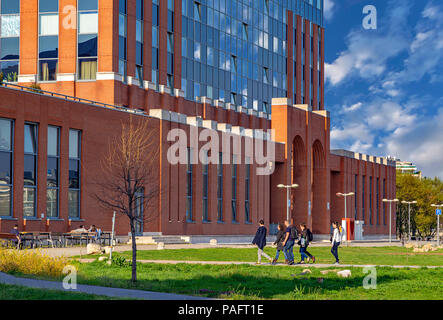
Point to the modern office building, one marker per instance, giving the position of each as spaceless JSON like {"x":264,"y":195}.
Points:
{"x":233,"y":66}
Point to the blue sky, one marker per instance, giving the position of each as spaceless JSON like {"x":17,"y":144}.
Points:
{"x":384,"y":87}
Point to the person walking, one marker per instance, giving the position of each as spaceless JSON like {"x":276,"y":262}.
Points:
{"x":279,"y":242}
{"x":305,"y":238}
{"x":288,"y":243}
{"x":336,"y":238}
{"x":260,"y":241}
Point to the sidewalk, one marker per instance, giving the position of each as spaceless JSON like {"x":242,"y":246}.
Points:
{"x":310,"y":265}
{"x":95,"y":290}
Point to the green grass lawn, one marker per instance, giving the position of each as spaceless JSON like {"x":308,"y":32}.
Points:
{"x":348,"y":255}
{"x":9,"y":292}
{"x":267,"y":282}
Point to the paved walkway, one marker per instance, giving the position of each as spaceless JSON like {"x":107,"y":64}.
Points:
{"x":95,"y":290}
{"x":310,"y":265}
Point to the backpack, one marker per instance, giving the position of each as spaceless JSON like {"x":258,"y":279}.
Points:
{"x":340,"y":230}
{"x":310,"y":235}
{"x":294,"y":233}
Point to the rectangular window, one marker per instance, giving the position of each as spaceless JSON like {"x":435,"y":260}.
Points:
{"x":234,"y":188}
{"x":205,"y":187}
{"x":384,"y":197}
{"x":378,"y":200}
{"x":30,"y":170}
{"x":9,"y":39}
{"x":155,"y":42}
{"x":363,"y":197}
{"x":370,"y":201}
{"x":87,"y":39}
{"x":247,"y":191}
{"x":189,"y":186}
{"x":122,"y":68}
{"x":48,"y":40}
{"x":6,"y":167}
{"x":53,"y":164}
{"x":139,"y":47}
{"x":74,"y":174}
{"x":220,"y":188}
{"x":356,"y":197}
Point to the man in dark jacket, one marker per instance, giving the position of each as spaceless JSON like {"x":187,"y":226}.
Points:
{"x":260,"y":241}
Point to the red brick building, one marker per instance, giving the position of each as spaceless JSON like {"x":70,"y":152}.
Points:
{"x":129,"y":58}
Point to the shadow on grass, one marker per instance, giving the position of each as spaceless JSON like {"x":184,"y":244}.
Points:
{"x":243,"y":283}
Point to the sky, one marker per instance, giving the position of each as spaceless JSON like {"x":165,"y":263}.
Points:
{"x":384,"y":86}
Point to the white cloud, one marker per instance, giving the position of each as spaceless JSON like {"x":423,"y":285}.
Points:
{"x":329,"y":9}
{"x":421,"y":144}
{"x":368,"y":51}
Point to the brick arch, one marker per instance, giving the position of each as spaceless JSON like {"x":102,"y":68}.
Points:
{"x":299,"y":174}
{"x":318,"y":188}
{"x":318,"y":155}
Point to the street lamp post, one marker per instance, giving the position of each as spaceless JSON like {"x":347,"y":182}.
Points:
{"x":409,"y":216}
{"x":390,"y":201}
{"x":438,"y":206}
{"x":288,"y":188}
{"x":346,"y":195}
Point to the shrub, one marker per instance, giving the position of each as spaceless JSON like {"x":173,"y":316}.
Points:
{"x":35,"y":87}
{"x":31,"y":262}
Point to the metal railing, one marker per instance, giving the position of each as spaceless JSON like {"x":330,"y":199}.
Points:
{"x":65,"y":97}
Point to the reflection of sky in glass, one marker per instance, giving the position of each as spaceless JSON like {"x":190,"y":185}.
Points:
{"x":10,"y":26}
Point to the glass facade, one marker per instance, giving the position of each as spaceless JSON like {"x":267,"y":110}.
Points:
{"x":48,"y":40}
{"x":87,"y":39}
{"x":30,"y":170}
{"x":6,"y":168}
{"x":122,"y":39}
{"x":236,"y":50}
{"x":155,"y":40}
{"x":139,"y":50}
{"x":9,"y":39}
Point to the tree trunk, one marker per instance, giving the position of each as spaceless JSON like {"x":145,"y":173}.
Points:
{"x":134,"y":252}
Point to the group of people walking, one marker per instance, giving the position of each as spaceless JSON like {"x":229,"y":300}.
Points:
{"x":288,"y":236}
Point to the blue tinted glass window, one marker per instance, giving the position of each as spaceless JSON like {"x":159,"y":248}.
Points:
{"x":9,"y":70}
{"x":10,"y":6}
{"x":48,"y":47}
{"x":10,"y":48}
{"x":87,"y":5}
{"x":48,"y":5}
{"x":87,"y":45}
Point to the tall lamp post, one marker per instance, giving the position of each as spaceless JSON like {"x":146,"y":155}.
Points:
{"x":438,"y":206}
{"x":345,"y":195}
{"x":409,"y":215}
{"x":390,"y":201}
{"x":288,"y":188}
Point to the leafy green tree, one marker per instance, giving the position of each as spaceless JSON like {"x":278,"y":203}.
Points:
{"x":426,"y":192}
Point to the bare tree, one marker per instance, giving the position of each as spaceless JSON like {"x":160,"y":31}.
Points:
{"x":128,"y":179}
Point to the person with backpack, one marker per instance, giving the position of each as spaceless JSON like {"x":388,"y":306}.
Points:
{"x":279,"y":241}
{"x":305,"y":238}
{"x":260,"y":241}
{"x":336,"y":238}
{"x":288,"y":243}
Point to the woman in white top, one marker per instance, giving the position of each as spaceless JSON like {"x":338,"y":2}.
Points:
{"x":335,"y":241}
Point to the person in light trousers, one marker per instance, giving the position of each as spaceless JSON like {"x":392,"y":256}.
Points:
{"x":260,"y":241}
{"x":336,"y":238}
